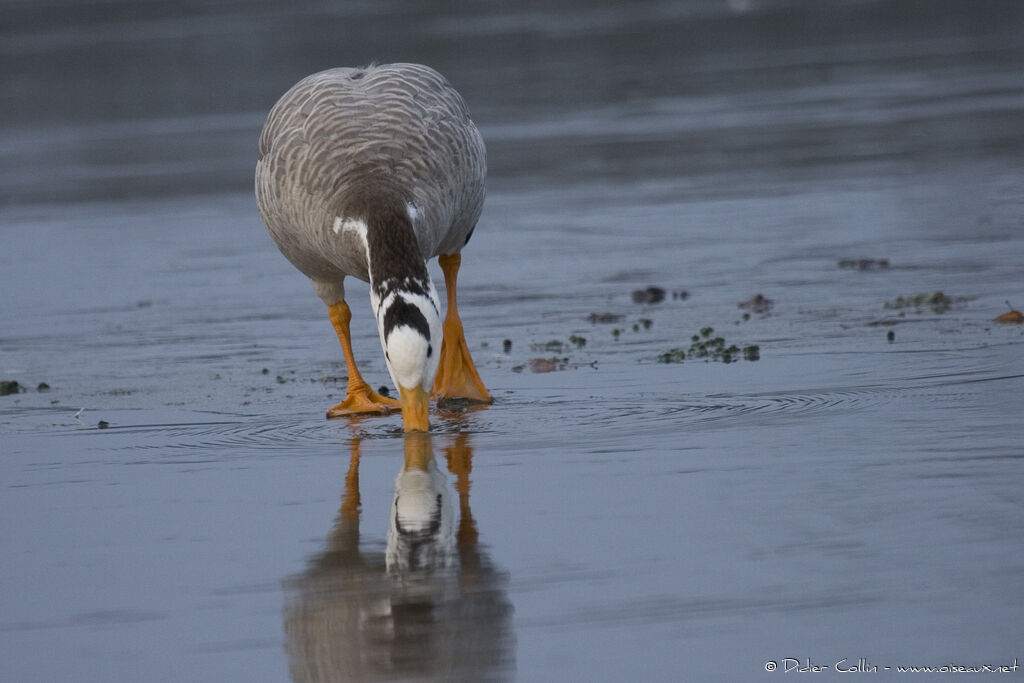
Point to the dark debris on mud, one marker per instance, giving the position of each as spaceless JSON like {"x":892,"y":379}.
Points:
{"x":706,"y":347}
{"x":938,"y":302}
{"x":650,"y":295}
{"x":864,"y":264}
{"x":12,"y":386}
{"x":758,"y":303}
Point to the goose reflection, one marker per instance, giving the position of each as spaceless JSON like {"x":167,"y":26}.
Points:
{"x":430,"y":606}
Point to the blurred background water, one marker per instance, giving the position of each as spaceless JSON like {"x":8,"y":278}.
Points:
{"x":845,"y":496}
{"x":121,"y":99}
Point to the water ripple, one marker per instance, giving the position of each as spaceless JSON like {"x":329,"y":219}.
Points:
{"x":218,"y":436}
{"x":718,"y":407}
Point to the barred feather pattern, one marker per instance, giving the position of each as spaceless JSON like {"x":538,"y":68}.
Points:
{"x":399,"y":127}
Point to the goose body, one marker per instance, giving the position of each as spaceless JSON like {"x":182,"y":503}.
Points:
{"x":369,"y":172}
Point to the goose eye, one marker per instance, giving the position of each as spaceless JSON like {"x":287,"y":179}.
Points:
{"x":430,"y":350}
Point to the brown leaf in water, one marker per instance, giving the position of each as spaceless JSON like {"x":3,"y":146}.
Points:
{"x":1010,"y":318}
{"x":546,"y":365}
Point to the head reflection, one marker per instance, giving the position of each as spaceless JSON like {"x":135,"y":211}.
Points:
{"x":421,"y":533}
{"x":430,"y":606}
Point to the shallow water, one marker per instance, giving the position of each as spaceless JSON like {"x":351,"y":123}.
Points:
{"x":844,"y":496}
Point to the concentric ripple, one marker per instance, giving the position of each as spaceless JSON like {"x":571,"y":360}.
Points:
{"x":249,"y":434}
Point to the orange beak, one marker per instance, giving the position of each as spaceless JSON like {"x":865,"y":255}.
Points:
{"x":415,"y":405}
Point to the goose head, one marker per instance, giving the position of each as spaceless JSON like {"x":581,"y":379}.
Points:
{"x":409,"y":323}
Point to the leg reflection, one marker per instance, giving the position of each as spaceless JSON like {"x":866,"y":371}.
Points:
{"x":459,"y":457}
{"x":429,"y":604}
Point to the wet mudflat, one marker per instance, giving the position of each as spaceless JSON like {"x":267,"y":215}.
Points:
{"x":175,"y":507}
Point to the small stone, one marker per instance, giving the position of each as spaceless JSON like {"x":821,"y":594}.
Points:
{"x":102,"y":424}
{"x":507,"y":345}
{"x":43,"y":386}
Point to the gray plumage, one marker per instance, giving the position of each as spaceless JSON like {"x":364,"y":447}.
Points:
{"x":394,"y":130}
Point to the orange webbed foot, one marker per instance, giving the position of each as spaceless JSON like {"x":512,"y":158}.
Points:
{"x":361,"y":399}
{"x":457,"y":377}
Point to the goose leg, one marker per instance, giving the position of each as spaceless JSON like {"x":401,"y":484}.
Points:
{"x":456,"y":376}
{"x":359,"y":398}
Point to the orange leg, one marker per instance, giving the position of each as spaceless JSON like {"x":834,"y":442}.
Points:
{"x":456,"y":376}
{"x":360,"y":398}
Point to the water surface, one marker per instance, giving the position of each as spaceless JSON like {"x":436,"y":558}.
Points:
{"x":845,"y":496}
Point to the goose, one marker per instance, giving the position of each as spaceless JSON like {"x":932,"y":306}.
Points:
{"x":369,"y":172}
